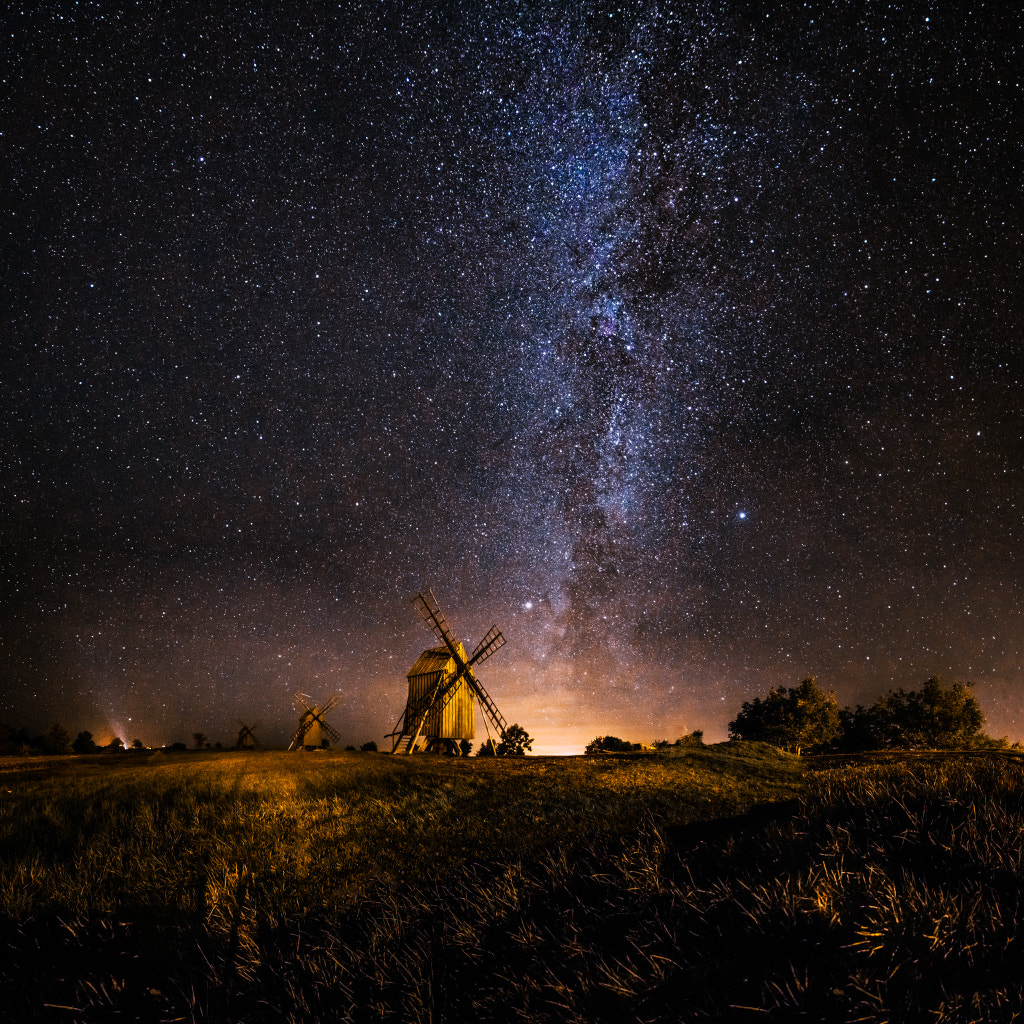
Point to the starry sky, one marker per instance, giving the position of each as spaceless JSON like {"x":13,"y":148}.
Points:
{"x":682,"y":341}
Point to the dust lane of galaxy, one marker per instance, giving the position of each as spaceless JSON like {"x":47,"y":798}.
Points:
{"x":685,"y":344}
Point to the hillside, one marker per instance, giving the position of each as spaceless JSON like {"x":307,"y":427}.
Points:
{"x":724,"y":883}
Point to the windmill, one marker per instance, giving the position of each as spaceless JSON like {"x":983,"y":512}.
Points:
{"x":313,"y":731}
{"x":443,"y":688}
{"x":247,"y":736}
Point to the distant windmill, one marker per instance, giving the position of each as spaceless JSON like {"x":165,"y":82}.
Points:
{"x":313,"y":731}
{"x":443,"y":688}
{"x":247,"y":736}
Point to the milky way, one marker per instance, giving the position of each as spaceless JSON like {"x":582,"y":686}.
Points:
{"x":685,"y":344}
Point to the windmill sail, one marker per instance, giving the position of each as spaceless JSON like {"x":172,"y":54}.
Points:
{"x":443,"y":688}
{"x":314,"y":731}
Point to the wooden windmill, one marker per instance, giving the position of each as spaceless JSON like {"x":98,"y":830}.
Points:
{"x":313,"y":731}
{"x":247,"y":736}
{"x":443,"y":689}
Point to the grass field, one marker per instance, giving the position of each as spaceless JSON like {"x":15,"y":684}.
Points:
{"x":724,"y":883}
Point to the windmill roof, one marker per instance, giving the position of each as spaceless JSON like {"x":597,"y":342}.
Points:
{"x":435,"y":659}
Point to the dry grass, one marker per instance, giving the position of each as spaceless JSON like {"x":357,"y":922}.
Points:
{"x":718,"y":886}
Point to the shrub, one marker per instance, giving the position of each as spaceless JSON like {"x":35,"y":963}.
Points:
{"x":515,"y":741}
{"x":610,"y":744}
{"x":804,"y":716}
{"x":934,"y":717}
{"x":57,"y":740}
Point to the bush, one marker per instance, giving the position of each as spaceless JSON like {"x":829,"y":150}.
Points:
{"x":515,"y":741}
{"x":804,"y":716}
{"x":610,"y":744}
{"x":57,"y":740}
{"x":934,"y":717}
{"x":84,"y":743}
{"x":370,"y":747}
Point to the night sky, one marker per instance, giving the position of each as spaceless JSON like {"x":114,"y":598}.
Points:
{"x":683,"y":342}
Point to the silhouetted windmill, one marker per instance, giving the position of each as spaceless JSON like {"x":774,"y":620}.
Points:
{"x":247,"y":736}
{"x":313,"y":731}
{"x":443,"y":688}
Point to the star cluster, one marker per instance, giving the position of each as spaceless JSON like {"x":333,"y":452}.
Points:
{"x":683,"y":341}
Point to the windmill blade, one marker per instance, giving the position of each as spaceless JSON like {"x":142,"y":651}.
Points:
{"x":331,"y":701}
{"x":490,"y":708}
{"x":330,"y":730}
{"x":427,"y":606}
{"x":490,"y":643}
{"x":298,"y":736}
{"x":301,"y":698}
{"x":258,"y":725}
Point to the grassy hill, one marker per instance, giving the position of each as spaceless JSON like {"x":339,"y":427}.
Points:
{"x":725,"y":883}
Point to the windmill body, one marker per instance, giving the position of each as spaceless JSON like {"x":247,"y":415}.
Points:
{"x":247,"y":736}
{"x":444,"y":690}
{"x":453,"y":720}
{"x":314,"y":732}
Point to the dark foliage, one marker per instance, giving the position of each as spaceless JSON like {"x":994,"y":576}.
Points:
{"x":370,"y":746}
{"x":84,"y":743}
{"x":515,"y":741}
{"x":690,"y":739}
{"x":934,"y":718}
{"x":57,"y":740}
{"x":794,"y":719}
{"x":13,"y":740}
{"x":611,"y":745}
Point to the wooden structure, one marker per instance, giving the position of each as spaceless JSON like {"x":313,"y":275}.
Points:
{"x":444,"y":689}
{"x":247,"y":736}
{"x":314,"y":731}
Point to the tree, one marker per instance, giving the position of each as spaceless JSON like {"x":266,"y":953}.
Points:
{"x":137,"y":745}
{"x":609,"y":744}
{"x":370,"y":746}
{"x":804,"y":716}
{"x":57,"y":740}
{"x":934,"y":717}
{"x":115,"y":746}
{"x":465,"y":747}
{"x":84,"y":743}
{"x":199,"y":738}
{"x":691,"y":739}
{"x":486,"y":748}
{"x":515,"y":741}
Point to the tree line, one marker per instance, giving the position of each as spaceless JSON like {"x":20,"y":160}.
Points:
{"x":56,"y":740}
{"x":515,"y":742}
{"x":805,"y":717}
